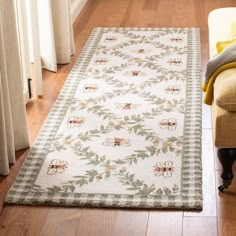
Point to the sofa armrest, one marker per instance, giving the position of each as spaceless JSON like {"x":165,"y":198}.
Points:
{"x":225,"y":90}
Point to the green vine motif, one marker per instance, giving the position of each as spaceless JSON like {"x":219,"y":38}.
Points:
{"x":153,"y":66}
{"x":135,"y":37}
{"x":124,"y":177}
{"x":111,"y":70}
{"x":37,"y":190}
{"x":152,"y":98}
{"x":62,"y":142}
{"x":133,"y":158}
{"x":74,"y":105}
{"x":153,"y":81}
{"x":168,"y":32}
{"x":100,"y":111}
{"x":134,"y":126}
{"x":169,"y":106}
{"x":103,"y":98}
{"x":159,"y":68}
{"x":80,"y":180}
{"x":175,"y":76}
{"x":90,"y":176}
{"x":172,"y":144}
{"x":157,"y":80}
{"x":107,"y":70}
{"x":141,"y":188}
{"x":164,"y":105}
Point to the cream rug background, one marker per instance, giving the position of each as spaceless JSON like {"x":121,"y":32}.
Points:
{"x":126,"y":128}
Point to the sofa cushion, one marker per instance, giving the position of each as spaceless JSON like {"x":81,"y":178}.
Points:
{"x":225,"y":90}
{"x":224,"y":128}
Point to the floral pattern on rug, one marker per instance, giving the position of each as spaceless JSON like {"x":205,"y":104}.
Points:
{"x":123,"y":129}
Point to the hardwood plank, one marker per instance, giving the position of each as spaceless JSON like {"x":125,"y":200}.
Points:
{"x":165,"y":223}
{"x":150,"y":4}
{"x":147,"y":18}
{"x":226,"y":201}
{"x":133,"y":14}
{"x":22,"y":220}
{"x":61,"y":221}
{"x":226,"y":227}
{"x":131,"y":222}
{"x":197,"y":226}
{"x":96,"y":222}
{"x":164,"y":14}
{"x":185,"y":14}
{"x":208,"y":177}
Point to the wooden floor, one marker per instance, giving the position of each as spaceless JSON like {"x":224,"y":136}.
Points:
{"x":219,"y":211}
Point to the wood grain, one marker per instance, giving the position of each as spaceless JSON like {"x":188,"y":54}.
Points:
{"x":97,"y":222}
{"x":221,"y":208}
{"x":59,"y":221}
{"x":226,"y":227}
{"x":22,"y":220}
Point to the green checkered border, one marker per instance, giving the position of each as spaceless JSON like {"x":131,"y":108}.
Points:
{"x":191,"y":189}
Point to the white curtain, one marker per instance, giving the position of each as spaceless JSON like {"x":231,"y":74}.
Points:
{"x":13,"y":126}
{"x":55,"y":32}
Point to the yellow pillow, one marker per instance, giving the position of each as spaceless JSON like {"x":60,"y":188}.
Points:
{"x":220,"y":46}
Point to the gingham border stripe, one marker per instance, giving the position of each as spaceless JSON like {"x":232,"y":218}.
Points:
{"x":191,"y":189}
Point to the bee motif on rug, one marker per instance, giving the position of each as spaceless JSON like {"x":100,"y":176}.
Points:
{"x":110,"y":38}
{"x":75,"y":121}
{"x":57,"y":166}
{"x":175,"y":89}
{"x":134,"y":73}
{"x":101,"y":61}
{"x":127,"y":106}
{"x":169,"y":124}
{"x":176,"y":39}
{"x":164,"y":169}
{"x":175,"y":62}
{"x":117,"y":142}
{"x":90,"y":88}
{"x":141,"y":51}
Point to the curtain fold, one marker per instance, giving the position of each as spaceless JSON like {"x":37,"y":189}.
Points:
{"x":56,"y":32}
{"x":13,"y":125}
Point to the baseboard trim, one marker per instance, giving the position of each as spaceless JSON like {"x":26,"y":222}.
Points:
{"x":76,"y":8}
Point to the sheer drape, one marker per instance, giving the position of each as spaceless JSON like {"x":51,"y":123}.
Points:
{"x":13,"y":126}
{"x":56,"y":32}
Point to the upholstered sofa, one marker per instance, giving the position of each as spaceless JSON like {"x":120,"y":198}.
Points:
{"x":222,"y":94}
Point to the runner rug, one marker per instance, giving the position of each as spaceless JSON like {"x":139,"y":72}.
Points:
{"x":125,"y":130}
